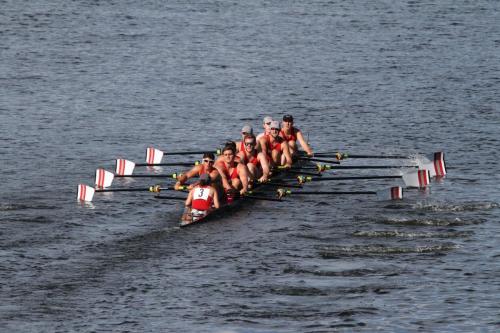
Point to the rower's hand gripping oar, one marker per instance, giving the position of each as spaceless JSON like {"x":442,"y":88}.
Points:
{"x":393,"y":193}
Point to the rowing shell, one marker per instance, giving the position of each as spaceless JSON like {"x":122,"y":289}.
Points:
{"x":188,"y":219}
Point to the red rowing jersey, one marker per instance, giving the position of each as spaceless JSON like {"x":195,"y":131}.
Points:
{"x":202,"y":200}
{"x":234,"y":174}
{"x":251,"y":159}
{"x":276,"y":145}
{"x":202,"y":170}
{"x":292,"y":136}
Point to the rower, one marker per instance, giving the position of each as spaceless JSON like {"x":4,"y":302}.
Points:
{"x":233,"y":145}
{"x":292,"y":134}
{"x":266,"y":125}
{"x":201,"y":199}
{"x":246,"y":130}
{"x":256,"y":162}
{"x":207,"y":167}
{"x":234,"y":175}
{"x":276,"y":147}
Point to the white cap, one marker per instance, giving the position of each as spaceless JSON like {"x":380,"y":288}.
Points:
{"x":275,"y":124}
{"x":247,"y":129}
{"x":267,"y":119}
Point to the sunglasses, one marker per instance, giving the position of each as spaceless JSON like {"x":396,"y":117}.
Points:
{"x":249,"y":143}
{"x":208,"y":161}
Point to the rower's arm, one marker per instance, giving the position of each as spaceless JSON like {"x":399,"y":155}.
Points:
{"x":225,"y":182}
{"x":184,"y":177}
{"x":189,"y":199}
{"x":262,"y":146}
{"x":216,"y":198}
{"x":304,"y":144}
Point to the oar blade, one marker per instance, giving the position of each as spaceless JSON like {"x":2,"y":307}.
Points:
{"x":393,"y":193}
{"x":419,"y":178}
{"x":85,"y":193}
{"x":153,"y":155}
{"x":435,"y":164}
{"x":103,"y":178}
{"x":124,"y":167}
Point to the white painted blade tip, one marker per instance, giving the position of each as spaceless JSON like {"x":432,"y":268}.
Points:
{"x":153,"y":155}
{"x":103,"y":178}
{"x":85,"y":193}
{"x":124,"y":167}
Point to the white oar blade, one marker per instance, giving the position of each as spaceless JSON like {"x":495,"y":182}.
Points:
{"x":436,"y":166}
{"x":153,"y":155}
{"x":393,"y":193}
{"x":103,"y":178}
{"x":85,"y":193}
{"x":419,"y":178}
{"x":124,"y":167}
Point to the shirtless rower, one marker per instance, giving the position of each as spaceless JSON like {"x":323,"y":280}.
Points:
{"x":234,"y":175}
{"x":202,"y":199}
{"x":207,"y":167}
{"x":276,"y":147}
{"x":256,"y":162}
{"x":292,"y":134}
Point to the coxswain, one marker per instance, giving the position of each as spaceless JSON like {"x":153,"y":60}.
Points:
{"x":246,"y":130}
{"x":276,"y":147}
{"x":234,"y":175}
{"x":206,"y":167}
{"x":292,"y":134}
{"x":202,"y":198}
{"x":256,"y":162}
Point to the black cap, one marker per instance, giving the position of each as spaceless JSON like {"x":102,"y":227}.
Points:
{"x":288,"y":118}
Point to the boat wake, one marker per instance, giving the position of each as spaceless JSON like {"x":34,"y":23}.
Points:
{"x":429,"y":221}
{"x":452,"y":207}
{"x":334,"y":252}
{"x":411,"y":235}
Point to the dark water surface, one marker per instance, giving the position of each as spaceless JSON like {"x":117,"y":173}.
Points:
{"x":85,"y":82}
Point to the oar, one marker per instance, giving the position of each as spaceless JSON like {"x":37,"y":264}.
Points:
{"x":394,"y":193}
{"x":418,"y":178}
{"x":342,"y":156}
{"x":126,"y":168}
{"x":313,"y":159}
{"x":104,"y":178}
{"x":86,"y":193}
{"x":168,"y":197}
{"x":154,"y":156}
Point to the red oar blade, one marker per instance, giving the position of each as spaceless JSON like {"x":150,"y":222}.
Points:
{"x":85,"y":193}
{"x":103,"y":178}
{"x":153,"y":155}
{"x":124,"y":167}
